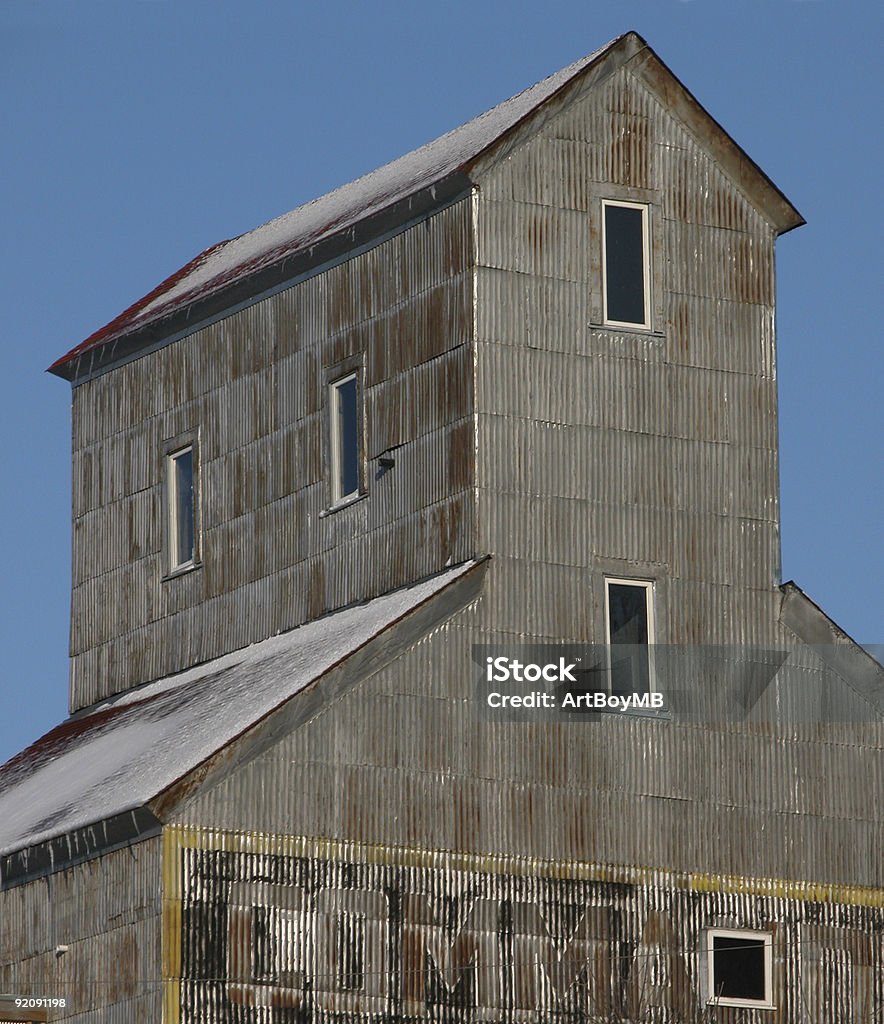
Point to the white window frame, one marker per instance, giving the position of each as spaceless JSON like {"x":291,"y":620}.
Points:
{"x":646,"y":263}
{"x":336,"y":440}
{"x":173,"y":523}
{"x":740,"y":933}
{"x":648,"y":587}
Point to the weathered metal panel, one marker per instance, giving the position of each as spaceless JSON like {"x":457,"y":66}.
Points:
{"x":258,"y":924}
{"x":406,"y":759}
{"x":664,"y":441}
{"x":532,"y":239}
{"x":703,"y":333}
{"x":253,"y":386}
{"x":591,"y":450}
{"x":107,"y":912}
{"x":528,"y":311}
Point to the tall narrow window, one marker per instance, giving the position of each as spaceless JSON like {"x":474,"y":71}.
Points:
{"x":182,"y":496}
{"x":629,"y":620}
{"x":344,"y":437}
{"x":626,"y":264}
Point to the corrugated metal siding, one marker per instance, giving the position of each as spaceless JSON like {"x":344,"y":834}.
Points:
{"x":663,"y":443}
{"x":404,"y":759}
{"x":599,"y":451}
{"x":389,"y":933}
{"x":253,"y":385}
{"x":108,"y":912}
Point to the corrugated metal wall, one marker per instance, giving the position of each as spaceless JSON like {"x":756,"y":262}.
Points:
{"x":263,"y":929}
{"x":406,"y":759}
{"x":108,"y":913}
{"x":648,"y":454}
{"x":253,"y":385}
{"x":638,"y":453}
{"x":601,"y":451}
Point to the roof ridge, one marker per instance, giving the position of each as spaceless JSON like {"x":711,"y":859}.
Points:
{"x":343,"y":206}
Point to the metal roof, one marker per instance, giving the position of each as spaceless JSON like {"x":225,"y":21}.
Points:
{"x":237,"y":269}
{"x":240,"y":257}
{"x":120,"y":755}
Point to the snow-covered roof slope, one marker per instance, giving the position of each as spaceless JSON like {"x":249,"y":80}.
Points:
{"x":124,"y":752}
{"x":241,"y":257}
{"x":241,"y":268}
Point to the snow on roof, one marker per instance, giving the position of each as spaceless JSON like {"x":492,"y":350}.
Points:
{"x":235,"y":259}
{"x":125,"y":752}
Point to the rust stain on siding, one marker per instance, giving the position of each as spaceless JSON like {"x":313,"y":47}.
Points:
{"x":254,"y":383}
{"x":383,"y":933}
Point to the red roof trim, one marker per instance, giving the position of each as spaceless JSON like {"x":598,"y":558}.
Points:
{"x":359,"y":201}
{"x":127,"y":321}
{"x":129,"y":314}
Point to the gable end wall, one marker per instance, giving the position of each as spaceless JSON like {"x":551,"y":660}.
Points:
{"x":649,"y":454}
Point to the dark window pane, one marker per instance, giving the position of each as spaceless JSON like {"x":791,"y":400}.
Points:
{"x":738,"y":970}
{"x":628,"y":613}
{"x":348,"y":438}
{"x":624,"y":264}
{"x":183,"y":498}
{"x":628,"y":626}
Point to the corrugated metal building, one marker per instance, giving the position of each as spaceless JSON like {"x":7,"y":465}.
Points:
{"x":513,"y":395}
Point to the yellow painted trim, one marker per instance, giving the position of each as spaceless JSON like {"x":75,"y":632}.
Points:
{"x":180,"y":837}
{"x":171,"y":928}
{"x":813,"y":892}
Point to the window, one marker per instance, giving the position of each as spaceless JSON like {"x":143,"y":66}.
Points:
{"x":739,"y":964}
{"x":625,"y":264}
{"x":181,"y":490}
{"x":629,"y":622}
{"x":345,"y":430}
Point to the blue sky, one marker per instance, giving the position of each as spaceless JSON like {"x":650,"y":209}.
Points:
{"x":137,"y":132}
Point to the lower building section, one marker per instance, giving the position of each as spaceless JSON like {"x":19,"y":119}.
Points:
{"x":81,"y":944}
{"x":261,"y":929}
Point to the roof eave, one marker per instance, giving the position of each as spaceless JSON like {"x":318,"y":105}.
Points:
{"x":165,"y":328}
{"x":385,"y":628}
{"x":736,"y":162}
{"x":803,"y":617}
{"x":69,"y":848}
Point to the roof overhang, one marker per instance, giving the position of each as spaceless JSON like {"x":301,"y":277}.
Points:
{"x":833,"y":645}
{"x":112,"y":774}
{"x":366,"y":211}
{"x":116,"y":345}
